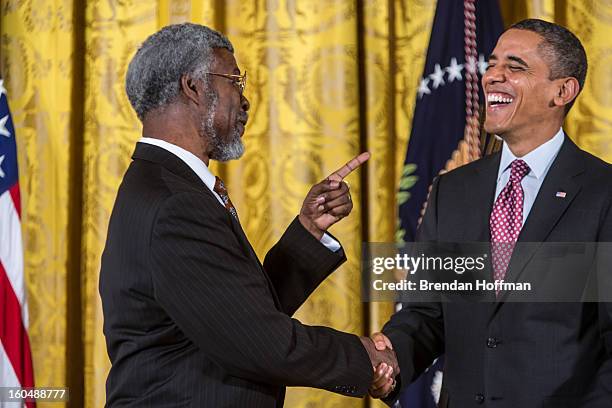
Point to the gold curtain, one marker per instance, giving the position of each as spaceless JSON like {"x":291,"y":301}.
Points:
{"x":327,"y":79}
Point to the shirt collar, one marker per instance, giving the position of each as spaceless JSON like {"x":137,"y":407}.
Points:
{"x":190,"y":159}
{"x":538,"y":160}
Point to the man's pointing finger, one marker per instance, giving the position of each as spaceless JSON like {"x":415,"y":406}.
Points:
{"x":351,"y":165}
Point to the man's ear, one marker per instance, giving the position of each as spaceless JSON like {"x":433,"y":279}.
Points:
{"x":190,"y":88}
{"x":567,"y":91}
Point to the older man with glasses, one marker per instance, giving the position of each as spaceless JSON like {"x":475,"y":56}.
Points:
{"x":191,"y":317}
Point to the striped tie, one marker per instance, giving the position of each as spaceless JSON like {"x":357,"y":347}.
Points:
{"x":222,"y":191}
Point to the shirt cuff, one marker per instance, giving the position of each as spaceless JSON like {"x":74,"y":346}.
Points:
{"x":330,"y":243}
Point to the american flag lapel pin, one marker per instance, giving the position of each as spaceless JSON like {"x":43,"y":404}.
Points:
{"x":561,"y":194}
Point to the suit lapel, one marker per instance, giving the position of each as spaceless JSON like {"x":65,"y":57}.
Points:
{"x":475,"y":189}
{"x":237,"y":227}
{"x":481,"y":193}
{"x":547,"y":208}
{"x":242,"y":236}
{"x":471,"y":212}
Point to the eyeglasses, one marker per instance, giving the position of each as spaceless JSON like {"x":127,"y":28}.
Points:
{"x":238,"y":80}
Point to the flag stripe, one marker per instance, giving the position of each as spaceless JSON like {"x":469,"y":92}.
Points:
{"x":13,"y":334}
{"x":9,"y":379}
{"x":7,"y":374}
{"x":11,"y":250}
{"x":16,"y":198}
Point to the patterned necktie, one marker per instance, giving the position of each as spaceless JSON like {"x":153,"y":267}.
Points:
{"x":507,"y":219}
{"x":222,"y":191}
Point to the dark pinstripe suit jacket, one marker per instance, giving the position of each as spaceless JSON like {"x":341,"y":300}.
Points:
{"x":510,"y":354}
{"x":192,"y":318}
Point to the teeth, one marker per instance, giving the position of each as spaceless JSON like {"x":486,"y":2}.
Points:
{"x":498,"y":98}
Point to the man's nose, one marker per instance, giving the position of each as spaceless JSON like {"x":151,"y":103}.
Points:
{"x":244,"y":103}
{"x":492,"y":75}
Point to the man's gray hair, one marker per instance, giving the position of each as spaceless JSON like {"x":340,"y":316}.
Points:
{"x":154,"y":74}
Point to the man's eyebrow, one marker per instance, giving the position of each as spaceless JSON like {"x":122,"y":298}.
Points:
{"x":518,"y":60}
{"x":514,"y":58}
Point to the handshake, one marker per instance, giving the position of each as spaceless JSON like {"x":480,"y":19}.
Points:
{"x":384,"y":363}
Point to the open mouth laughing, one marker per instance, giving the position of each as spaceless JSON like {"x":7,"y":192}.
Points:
{"x":496,"y":100}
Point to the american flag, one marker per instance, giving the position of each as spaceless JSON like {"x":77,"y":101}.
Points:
{"x":15,"y":355}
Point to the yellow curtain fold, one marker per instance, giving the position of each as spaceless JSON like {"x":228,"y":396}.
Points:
{"x":36,"y":65}
{"x":113,"y":31}
{"x":326,"y":80}
{"x":393,"y":37}
{"x":301,"y":60}
{"x":589,"y":122}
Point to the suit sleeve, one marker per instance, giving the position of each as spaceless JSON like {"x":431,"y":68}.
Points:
{"x":297,"y":264}
{"x":417,"y":330}
{"x":600,"y":394}
{"x":222,"y":301}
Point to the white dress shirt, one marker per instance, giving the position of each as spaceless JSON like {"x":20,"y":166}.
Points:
{"x":539,"y":161}
{"x":200,"y":168}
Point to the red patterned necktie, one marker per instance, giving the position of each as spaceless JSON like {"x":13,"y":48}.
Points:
{"x":507,"y":219}
{"x":222,"y":191}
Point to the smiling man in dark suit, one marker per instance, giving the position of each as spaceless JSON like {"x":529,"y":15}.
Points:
{"x":191,"y":317}
{"x":540,"y":188}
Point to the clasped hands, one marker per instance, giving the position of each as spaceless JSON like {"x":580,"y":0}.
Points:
{"x":384,"y":363}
